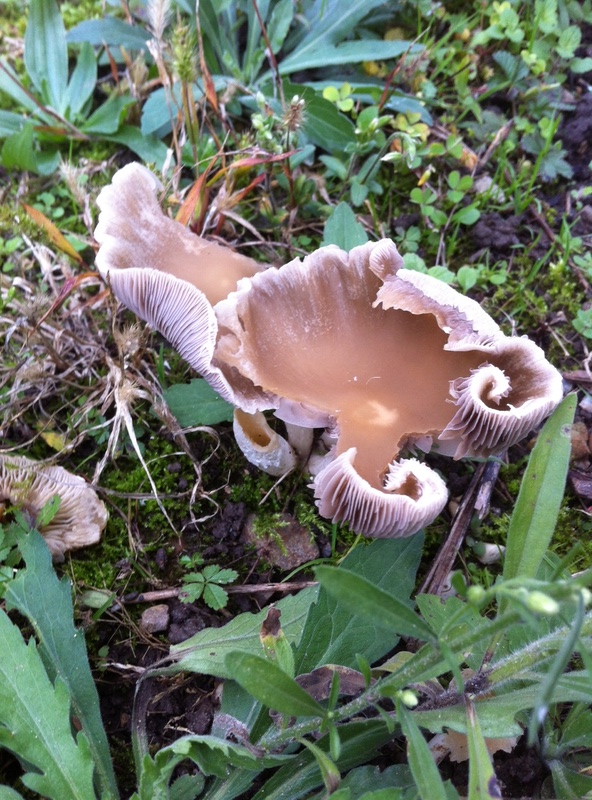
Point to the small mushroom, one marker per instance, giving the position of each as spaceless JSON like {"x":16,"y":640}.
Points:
{"x":389,"y":360}
{"x":29,"y":485}
{"x":261,"y":445}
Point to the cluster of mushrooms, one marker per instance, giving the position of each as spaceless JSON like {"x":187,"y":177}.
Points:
{"x":383,"y":359}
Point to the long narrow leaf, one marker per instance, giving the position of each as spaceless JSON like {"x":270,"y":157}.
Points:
{"x":46,"y":52}
{"x":420,"y":760}
{"x":271,"y":685}
{"x":483,"y":783}
{"x":363,"y":597}
{"x":535,"y":515}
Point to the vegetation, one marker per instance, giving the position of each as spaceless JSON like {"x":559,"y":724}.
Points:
{"x":280,"y":126}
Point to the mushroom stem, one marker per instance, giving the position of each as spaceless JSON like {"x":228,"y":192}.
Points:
{"x":261,"y":445}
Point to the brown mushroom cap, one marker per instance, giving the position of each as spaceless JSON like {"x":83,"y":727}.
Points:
{"x":387,"y":358}
{"x":29,"y":485}
{"x":356,"y":345}
{"x":134,"y":232}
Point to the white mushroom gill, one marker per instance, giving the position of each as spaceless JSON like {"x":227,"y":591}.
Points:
{"x":384,"y":357}
{"x":29,"y":485}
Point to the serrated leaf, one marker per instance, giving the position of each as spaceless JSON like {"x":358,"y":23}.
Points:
{"x":196,"y":403}
{"x":215,"y":596}
{"x":271,"y":685}
{"x":569,"y":41}
{"x":343,"y":229}
{"x":46,"y":602}
{"x":35,"y":722}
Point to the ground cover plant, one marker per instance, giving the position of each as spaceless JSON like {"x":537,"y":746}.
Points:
{"x":223,"y":640}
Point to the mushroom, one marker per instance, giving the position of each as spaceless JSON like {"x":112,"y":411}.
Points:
{"x":261,"y":445}
{"x":387,"y":359}
{"x":29,"y":485}
{"x":390,"y":359}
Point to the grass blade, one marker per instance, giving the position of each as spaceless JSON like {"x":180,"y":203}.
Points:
{"x":535,"y":515}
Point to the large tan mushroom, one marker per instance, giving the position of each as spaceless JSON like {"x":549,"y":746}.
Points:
{"x":387,"y":359}
{"x":29,"y":485}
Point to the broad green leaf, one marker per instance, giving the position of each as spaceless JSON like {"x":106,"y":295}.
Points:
{"x":371,"y":783}
{"x":196,"y":403}
{"x":46,"y":52}
{"x":111,"y":31}
{"x":38,"y":595}
{"x":35,"y":722}
{"x":10,"y":123}
{"x":332,"y":635}
{"x":498,"y":712}
{"x":213,"y":755}
{"x":83,"y":81}
{"x":570,"y":784}
{"x":207,"y":650}
{"x":343,"y":229}
{"x":6,"y":793}
{"x":271,"y":685}
{"x":535,"y":514}
{"x":364,"y":598}
{"x":215,"y":596}
{"x":109,"y":116}
{"x":10,"y":83}
{"x":483,"y":783}
{"x":346,"y":53}
{"x":359,"y":743}
{"x":19,"y":152}
{"x":569,"y":41}
{"x":323,"y":124}
{"x":467,"y":215}
{"x":420,"y":760}
{"x":148,"y":148}
{"x":279,"y":23}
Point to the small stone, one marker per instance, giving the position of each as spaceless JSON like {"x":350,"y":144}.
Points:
{"x":287,"y":545}
{"x":155,"y":619}
{"x":579,"y":441}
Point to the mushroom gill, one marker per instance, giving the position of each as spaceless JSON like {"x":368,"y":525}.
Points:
{"x":391,"y":359}
{"x":385,"y":358}
{"x":29,"y":485}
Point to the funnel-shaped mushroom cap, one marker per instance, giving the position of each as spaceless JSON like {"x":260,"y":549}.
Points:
{"x":29,"y":485}
{"x":392,"y":357}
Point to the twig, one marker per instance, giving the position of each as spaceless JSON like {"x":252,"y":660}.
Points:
{"x":168,"y":594}
{"x":444,"y":560}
